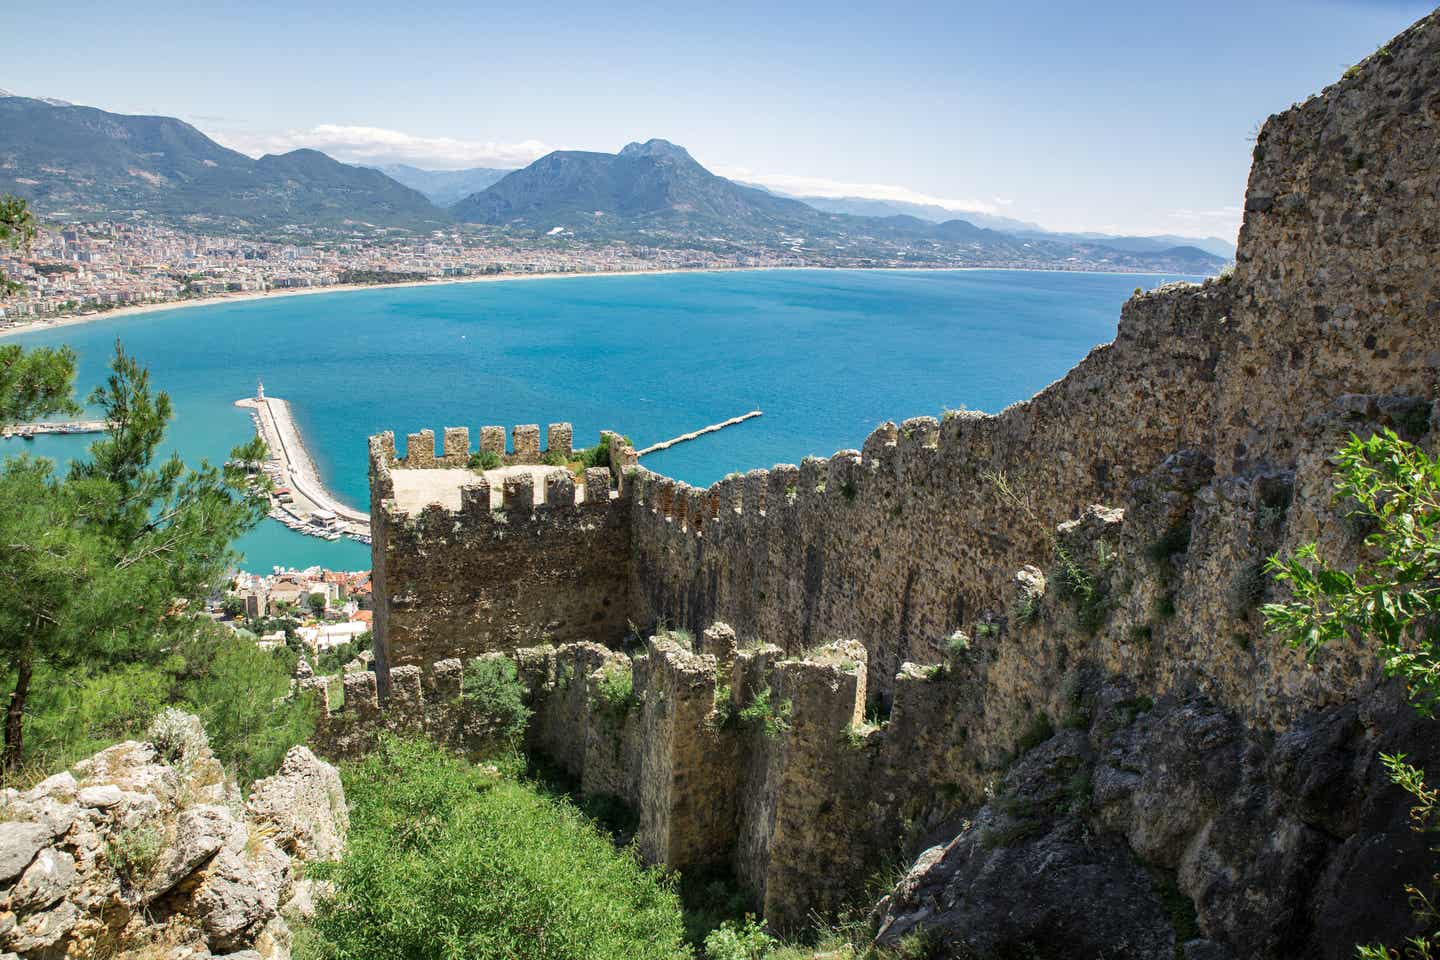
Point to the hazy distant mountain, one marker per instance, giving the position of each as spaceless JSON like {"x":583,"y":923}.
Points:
{"x":870,"y":207}
{"x":443,"y":187}
{"x":655,"y":191}
{"x":86,"y":163}
{"x":867,"y":207}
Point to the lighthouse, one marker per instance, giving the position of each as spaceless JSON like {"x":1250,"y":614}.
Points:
{"x":259,"y":389}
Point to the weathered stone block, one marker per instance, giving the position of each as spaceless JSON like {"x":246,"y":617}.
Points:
{"x":560,"y":489}
{"x":597,"y":485}
{"x":559,"y":438}
{"x":361,"y":696}
{"x":456,"y":446}
{"x":475,"y":497}
{"x":420,"y":449}
{"x":492,"y":438}
{"x":525,"y":440}
{"x":519,"y":492}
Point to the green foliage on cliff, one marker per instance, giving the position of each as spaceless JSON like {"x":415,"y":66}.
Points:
{"x":446,"y":860}
{"x":17,"y":229}
{"x":35,"y":383}
{"x":771,"y":717}
{"x":1390,"y":598}
{"x":238,"y":691}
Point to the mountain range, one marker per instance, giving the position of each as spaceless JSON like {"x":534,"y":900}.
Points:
{"x":81,"y":163}
{"x":443,"y":188}
{"x":75,"y":162}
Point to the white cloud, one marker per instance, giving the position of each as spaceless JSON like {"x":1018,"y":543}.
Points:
{"x":375,"y":145}
{"x":822,"y":187}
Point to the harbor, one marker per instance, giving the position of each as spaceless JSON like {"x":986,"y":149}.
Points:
{"x":29,"y":431}
{"x":298,"y":498}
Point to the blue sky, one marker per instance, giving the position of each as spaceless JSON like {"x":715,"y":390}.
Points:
{"x":1118,"y":116}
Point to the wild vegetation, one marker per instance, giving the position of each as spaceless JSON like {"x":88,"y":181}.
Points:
{"x":447,"y":859}
{"x":1391,"y":599}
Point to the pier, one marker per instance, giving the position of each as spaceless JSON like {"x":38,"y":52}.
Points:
{"x":666,"y":444}
{"x":26,"y":431}
{"x":300,"y":500}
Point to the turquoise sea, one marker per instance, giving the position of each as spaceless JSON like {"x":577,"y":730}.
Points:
{"x":825,"y":354}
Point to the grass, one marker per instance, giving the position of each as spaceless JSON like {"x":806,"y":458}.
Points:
{"x":447,"y":860}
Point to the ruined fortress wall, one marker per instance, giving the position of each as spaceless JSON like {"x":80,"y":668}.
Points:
{"x":455,"y":583}
{"x":909,"y":539}
{"x":1331,"y":322}
{"x":1338,"y":254}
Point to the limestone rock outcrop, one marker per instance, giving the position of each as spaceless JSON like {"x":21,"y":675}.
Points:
{"x":145,"y":849}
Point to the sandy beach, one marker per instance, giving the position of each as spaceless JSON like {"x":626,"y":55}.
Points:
{"x":54,"y":323}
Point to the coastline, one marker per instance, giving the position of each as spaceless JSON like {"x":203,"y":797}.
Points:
{"x":35,"y":326}
{"x":56,"y":323}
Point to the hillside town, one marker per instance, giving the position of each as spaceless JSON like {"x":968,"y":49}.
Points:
{"x":91,"y":267}
{"x":315,"y":610}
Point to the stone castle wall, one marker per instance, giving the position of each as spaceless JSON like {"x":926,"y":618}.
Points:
{"x":800,"y":812}
{"x":480,"y":578}
{"x":1331,"y":320}
{"x":1166,"y":466}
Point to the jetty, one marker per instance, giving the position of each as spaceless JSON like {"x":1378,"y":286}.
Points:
{"x":27,"y":431}
{"x":666,"y":444}
{"x":299,"y":499}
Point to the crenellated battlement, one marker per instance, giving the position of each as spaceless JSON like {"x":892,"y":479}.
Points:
{"x":524,"y":447}
{"x":470,"y":560}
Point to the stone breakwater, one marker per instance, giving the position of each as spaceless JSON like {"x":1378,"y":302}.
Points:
{"x":307,"y":506}
{"x":695,"y":434}
{"x":1128,"y":736}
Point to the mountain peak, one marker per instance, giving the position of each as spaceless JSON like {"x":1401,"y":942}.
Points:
{"x":657,"y":148}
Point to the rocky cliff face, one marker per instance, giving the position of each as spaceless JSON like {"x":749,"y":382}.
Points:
{"x":146,"y":850}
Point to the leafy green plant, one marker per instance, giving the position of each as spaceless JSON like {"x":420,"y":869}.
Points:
{"x":745,"y":940}
{"x":616,"y":688}
{"x":492,"y":692}
{"x":770,"y":717}
{"x":483,"y":460}
{"x":1392,"y":598}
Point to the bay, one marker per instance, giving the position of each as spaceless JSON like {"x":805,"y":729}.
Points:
{"x":827,"y":355}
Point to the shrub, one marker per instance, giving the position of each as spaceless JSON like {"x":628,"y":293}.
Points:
{"x":246,"y":704}
{"x":447,"y":861}
{"x":495,"y":695}
{"x":178,"y":736}
{"x":82,"y":711}
{"x":1392,"y":598}
{"x":745,"y":940}
{"x":554,"y":458}
{"x":1040,"y":730}
{"x":617,"y":691}
{"x":485,"y":460}
{"x":134,"y":851}
{"x":957,"y":645}
{"x":770,"y":718}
